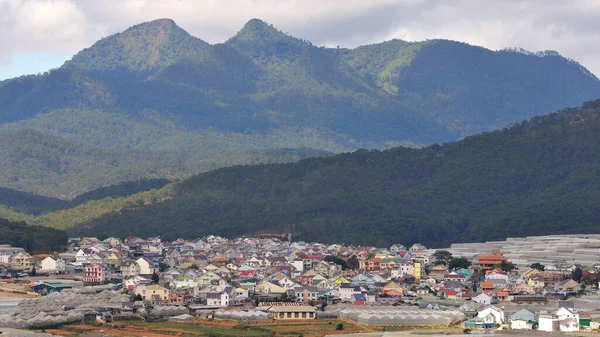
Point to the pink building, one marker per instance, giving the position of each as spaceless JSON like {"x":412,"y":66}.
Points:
{"x":94,"y":273}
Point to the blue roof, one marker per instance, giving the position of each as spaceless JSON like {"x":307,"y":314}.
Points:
{"x":359,"y":297}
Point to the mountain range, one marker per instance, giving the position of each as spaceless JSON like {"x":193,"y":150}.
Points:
{"x":154,"y":102}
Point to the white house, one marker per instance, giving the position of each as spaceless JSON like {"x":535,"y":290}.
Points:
{"x":220,"y":299}
{"x":52,"y":265}
{"x":491,"y":310}
{"x":130,"y":269}
{"x":569,"y":325}
{"x":305,"y":294}
{"x":564,"y":313}
{"x":298,"y":265}
{"x":5,"y":257}
{"x":240,"y":293}
{"x":133,"y":282}
{"x":568,"y":320}
{"x":482,"y":298}
{"x":563,"y":320}
{"x":521,"y":324}
{"x":84,"y":256}
{"x":548,"y":323}
{"x":347,"y":291}
{"x":146,"y":266}
{"x":496,"y":276}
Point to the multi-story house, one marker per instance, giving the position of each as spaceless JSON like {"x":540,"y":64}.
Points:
{"x":154,"y":293}
{"x":95,"y":273}
{"x":52,"y":265}
{"x":146,"y":266}
{"x":21,"y":260}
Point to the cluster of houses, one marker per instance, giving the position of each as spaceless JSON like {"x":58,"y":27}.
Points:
{"x":214,"y":272}
{"x":562,"y":320}
{"x":14,"y":258}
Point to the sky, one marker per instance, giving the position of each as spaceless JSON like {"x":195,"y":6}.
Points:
{"x":38,"y":35}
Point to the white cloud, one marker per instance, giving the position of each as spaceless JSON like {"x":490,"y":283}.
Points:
{"x":570,"y":27}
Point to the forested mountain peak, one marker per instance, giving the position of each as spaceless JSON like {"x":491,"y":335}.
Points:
{"x":143,"y":47}
{"x":259,"y":37}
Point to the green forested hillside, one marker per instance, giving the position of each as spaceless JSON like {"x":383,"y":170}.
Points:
{"x":48,"y":165}
{"x":27,"y":202}
{"x":541,"y":176}
{"x":34,"y":239}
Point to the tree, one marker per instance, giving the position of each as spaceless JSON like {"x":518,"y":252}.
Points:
{"x":507,"y":266}
{"x":353,"y":262}
{"x":336,"y":260}
{"x":340,"y":326}
{"x":459,"y":263}
{"x":138,"y":297}
{"x":442,"y":257}
{"x":577,"y":274}
{"x":538,"y":266}
{"x":155,"y":277}
{"x":33,"y":272}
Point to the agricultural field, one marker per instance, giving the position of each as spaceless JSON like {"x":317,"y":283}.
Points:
{"x":214,"y":328}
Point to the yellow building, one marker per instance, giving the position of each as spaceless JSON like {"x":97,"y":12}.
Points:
{"x":419,"y":270}
{"x":339,"y":280}
{"x":153,"y":292}
{"x":536,"y":281}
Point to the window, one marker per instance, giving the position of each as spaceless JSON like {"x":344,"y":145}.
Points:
{"x":311,"y":314}
{"x":296,"y":315}
{"x":281,"y":315}
{"x":289,"y":315}
{"x":303,"y":315}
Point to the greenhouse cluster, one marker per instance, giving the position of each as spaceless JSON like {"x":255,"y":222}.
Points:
{"x":402,"y":317}
{"x":242,"y":316}
{"x":59,"y":308}
{"x":168,"y":311}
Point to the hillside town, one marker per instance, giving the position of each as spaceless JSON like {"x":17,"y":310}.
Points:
{"x":254,"y":279}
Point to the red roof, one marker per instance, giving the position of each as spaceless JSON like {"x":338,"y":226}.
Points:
{"x":450,"y":292}
{"x":487,"y":284}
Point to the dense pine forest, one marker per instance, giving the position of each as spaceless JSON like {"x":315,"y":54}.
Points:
{"x":34,"y":239}
{"x":540,"y":176}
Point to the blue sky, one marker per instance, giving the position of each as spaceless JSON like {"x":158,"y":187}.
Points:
{"x":32,"y":63}
{"x":38,"y":35}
